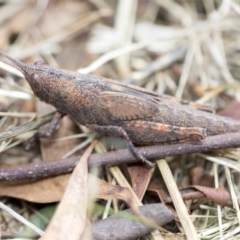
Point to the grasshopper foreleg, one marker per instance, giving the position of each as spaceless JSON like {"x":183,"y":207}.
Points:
{"x":48,"y":132}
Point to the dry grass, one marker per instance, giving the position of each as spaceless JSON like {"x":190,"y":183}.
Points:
{"x":188,"y":49}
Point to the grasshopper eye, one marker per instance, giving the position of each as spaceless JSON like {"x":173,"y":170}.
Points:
{"x":36,"y":83}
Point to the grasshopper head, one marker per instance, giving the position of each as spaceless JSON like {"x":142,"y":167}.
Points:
{"x":51,"y":85}
{"x":41,"y":77}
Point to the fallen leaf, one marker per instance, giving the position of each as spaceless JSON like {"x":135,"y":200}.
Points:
{"x":198,"y":176}
{"x":140,"y":178}
{"x":107,"y":190}
{"x":158,"y":186}
{"x":69,"y":219}
{"x":42,"y":191}
{"x":218,"y":195}
{"x":52,"y":189}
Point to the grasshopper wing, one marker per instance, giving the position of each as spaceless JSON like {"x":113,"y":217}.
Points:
{"x":124,"y":107}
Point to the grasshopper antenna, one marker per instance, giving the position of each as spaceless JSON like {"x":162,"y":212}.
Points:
{"x":12,"y":62}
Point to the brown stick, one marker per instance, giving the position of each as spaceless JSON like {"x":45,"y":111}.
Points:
{"x":46,"y":169}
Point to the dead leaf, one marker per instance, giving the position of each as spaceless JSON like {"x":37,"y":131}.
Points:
{"x":52,"y":189}
{"x":158,"y":186}
{"x":69,"y":219}
{"x":41,"y":191}
{"x":140,"y":178}
{"x":200,"y":193}
{"x":198,"y":176}
{"x":107,"y":190}
{"x":218,"y":195}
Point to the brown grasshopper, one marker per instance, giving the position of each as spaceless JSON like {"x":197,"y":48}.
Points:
{"x":112,"y":108}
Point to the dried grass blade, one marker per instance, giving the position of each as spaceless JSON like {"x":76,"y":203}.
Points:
{"x":181,"y":209}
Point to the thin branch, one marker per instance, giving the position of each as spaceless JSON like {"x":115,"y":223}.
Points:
{"x":53,"y":168}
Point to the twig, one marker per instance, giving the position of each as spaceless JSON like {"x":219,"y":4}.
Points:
{"x":53,"y":168}
{"x":131,"y":229}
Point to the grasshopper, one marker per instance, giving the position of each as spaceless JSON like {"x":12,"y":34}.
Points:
{"x":112,"y":108}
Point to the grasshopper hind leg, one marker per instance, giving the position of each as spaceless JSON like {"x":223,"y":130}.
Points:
{"x":150,"y":133}
{"x":119,"y":131}
{"x":134,"y":150}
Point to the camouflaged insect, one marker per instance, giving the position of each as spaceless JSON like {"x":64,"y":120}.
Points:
{"x":112,"y":108}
